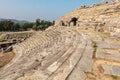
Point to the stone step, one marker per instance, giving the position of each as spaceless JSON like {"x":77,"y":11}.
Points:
{"x":69,"y":65}
{"x":52,"y":59}
{"x":56,"y":65}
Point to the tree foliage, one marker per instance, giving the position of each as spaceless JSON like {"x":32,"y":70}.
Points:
{"x":8,"y":25}
{"x":41,"y":24}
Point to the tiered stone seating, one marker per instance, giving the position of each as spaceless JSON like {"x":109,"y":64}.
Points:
{"x":35,"y":46}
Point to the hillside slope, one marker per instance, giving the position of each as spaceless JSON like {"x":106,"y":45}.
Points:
{"x":101,"y":17}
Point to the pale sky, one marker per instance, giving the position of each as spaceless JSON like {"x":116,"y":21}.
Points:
{"x":43,"y":9}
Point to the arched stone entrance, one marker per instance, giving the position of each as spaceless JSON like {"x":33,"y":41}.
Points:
{"x":73,"y":21}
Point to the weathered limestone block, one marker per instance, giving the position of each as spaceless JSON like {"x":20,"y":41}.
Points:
{"x":86,"y":61}
{"x":108,"y":45}
{"x":108,"y":54}
{"x":77,"y":75}
{"x":111,"y":70}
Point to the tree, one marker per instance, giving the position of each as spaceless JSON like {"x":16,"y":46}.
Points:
{"x":6,"y":25}
{"x":38,"y":21}
{"x":34,"y":27}
{"x":25,"y":26}
{"x":53,"y":23}
{"x":16,"y":27}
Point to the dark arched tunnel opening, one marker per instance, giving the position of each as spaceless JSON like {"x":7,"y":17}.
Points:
{"x":74,"y":20}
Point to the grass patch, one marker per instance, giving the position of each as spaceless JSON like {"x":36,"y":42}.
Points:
{"x":37,"y":60}
{"x":103,"y":39}
{"x":94,"y":45}
{"x":114,"y":77}
{"x":43,"y":57}
{"x":90,"y":73}
{"x":86,"y":28}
